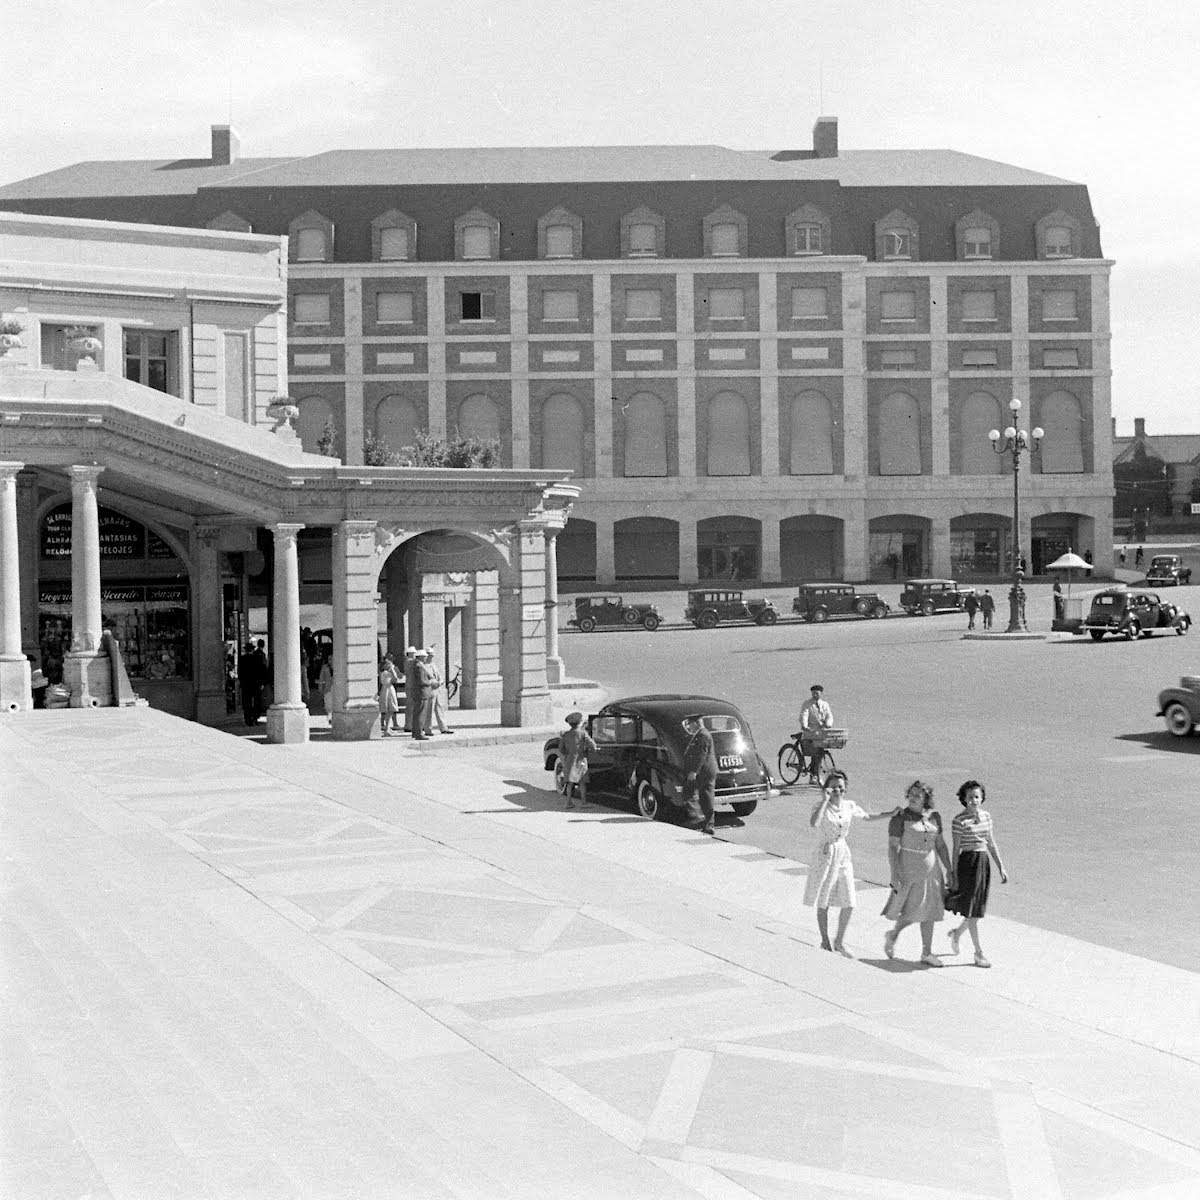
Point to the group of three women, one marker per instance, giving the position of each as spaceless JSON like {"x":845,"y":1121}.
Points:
{"x":927,"y":879}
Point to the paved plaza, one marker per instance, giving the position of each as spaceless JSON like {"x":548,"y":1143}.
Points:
{"x":367,"y":971}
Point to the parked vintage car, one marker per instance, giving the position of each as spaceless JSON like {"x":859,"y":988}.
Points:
{"x":707,"y":609}
{"x":1181,"y":706}
{"x":820,"y":601}
{"x":640,"y":743}
{"x":592,"y":611}
{"x":1131,"y":613}
{"x":1167,"y":570}
{"x":924,"y":597}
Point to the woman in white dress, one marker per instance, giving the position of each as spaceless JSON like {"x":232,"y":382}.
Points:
{"x":831,"y":876}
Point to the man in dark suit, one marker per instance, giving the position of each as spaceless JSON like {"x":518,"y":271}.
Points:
{"x":700,"y":764}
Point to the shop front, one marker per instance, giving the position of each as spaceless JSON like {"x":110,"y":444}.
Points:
{"x":898,"y":548}
{"x":980,"y":546}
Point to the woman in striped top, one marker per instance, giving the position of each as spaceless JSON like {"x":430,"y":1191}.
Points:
{"x":971,"y":871}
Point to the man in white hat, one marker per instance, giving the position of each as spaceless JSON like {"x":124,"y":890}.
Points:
{"x":412,"y":686}
{"x":427,"y":685}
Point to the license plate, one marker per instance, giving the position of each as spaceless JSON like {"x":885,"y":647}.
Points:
{"x":728,"y":761}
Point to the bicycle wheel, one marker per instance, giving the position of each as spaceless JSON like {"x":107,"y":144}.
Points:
{"x":825,"y":764}
{"x":790,"y":762}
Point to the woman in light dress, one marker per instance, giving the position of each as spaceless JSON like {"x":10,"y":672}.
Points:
{"x":389,"y":704}
{"x":919,"y":861}
{"x":831,"y":876}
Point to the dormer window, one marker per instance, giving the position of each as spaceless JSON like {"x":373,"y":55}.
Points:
{"x":393,"y":244}
{"x":977,"y":242}
{"x":560,"y":234}
{"x":642,"y":239}
{"x":806,"y":239}
{"x":477,"y":242}
{"x":1058,"y":242}
{"x":808,"y":231}
{"x":725,"y":233}
{"x":896,"y":237}
{"x":310,"y":238}
{"x":725,"y":239}
{"x":1059,"y":235}
{"x":977,"y":235}
{"x":476,"y":235}
{"x":393,"y":237}
{"x":560,"y":241}
{"x":643,"y":234}
{"x":897,"y":243}
{"x":310,"y":245}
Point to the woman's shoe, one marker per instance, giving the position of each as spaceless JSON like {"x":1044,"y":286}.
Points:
{"x":931,"y":960}
{"x":980,"y":961}
{"x":955,"y":937}
{"x":889,"y":943}
{"x":842,"y":950}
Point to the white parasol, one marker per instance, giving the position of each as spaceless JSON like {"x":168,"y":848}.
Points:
{"x":1069,"y":562}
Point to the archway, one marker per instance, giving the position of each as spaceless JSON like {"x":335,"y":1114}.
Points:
{"x":811,"y":429}
{"x":729,"y":548}
{"x":810,"y":548}
{"x":981,"y":545}
{"x":980,"y":413}
{"x":1053,"y":534}
{"x":563,"y":434}
{"x":316,"y":413}
{"x":1061,"y":450}
{"x":645,"y":440}
{"x":728,"y":435}
{"x":646,"y":548}
{"x":899,"y":435}
{"x":898,"y":547}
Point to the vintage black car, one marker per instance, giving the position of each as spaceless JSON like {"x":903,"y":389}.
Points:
{"x":1181,"y":706}
{"x":707,"y":609}
{"x":820,"y":601}
{"x":592,"y":611}
{"x":639,"y":757}
{"x":1167,"y":570}
{"x":1132,"y":613}
{"x":924,"y":597}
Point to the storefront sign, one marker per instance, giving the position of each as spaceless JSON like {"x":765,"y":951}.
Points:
{"x":156,"y":547}
{"x":56,"y":533}
{"x":121,"y":537}
{"x":54,"y":593}
{"x":164,"y":594}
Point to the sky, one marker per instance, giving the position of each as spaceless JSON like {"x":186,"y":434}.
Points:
{"x":1091,"y":92}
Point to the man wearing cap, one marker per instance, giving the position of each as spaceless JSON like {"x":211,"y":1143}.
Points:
{"x":426,"y":687}
{"x":412,"y":687}
{"x":700,"y":763}
{"x":815,"y":713}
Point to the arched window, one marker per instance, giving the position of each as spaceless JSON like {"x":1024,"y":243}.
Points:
{"x":808,"y":231}
{"x":310,"y":238}
{"x":811,"y":435}
{"x":899,"y":435}
{"x":393,"y":237}
{"x":1062,"y":445}
{"x":397,"y":421}
{"x":478,"y":416}
{"x":1059,"y":234}
{"x":315,"y":414}
{"x":977,"y":235}
{"x":980,"y":413}
{"x":562,"y":434}
{"x":645,"y":418}
{"x":897,"y":237}
{"x":728,"y":435}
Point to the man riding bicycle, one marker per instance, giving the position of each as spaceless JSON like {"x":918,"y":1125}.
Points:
{"x":815,"y":714}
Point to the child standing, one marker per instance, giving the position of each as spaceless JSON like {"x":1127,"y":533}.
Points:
{"x":831,"y":876}
{"x":574,"y":746}
{"x":970,"y":870}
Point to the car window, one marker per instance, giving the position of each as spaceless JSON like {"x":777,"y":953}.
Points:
{"x":607,"y":731}
{"x":721,"y":723}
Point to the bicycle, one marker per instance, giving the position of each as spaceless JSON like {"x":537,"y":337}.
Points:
{"x":452,"y":684}
{"x":815,"y":745}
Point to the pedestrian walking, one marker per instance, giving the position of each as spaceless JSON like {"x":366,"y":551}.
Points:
{"x":987,"y":607}
{"x":1060,"y":604}
{"x":974,"y":850}
{"x":919,"y":861}
{"x":1123,"y":553}
{"x":438,"y":715}
{"x":1139,"y":557}
{"x":574,"y":746}
{"x":389,"y":704}
{"x":700,"y":765}
{"x":412,"y":690}
{"x":830,"y":881}
{"x":971,"y":604}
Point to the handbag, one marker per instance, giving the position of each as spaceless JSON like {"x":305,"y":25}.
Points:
{"x":578,"y":770}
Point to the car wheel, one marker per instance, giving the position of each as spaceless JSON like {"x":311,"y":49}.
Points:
{"x":650,"y":622}
{"x":767,"y":617}
{"x":1132,"y":630}
{"x":821,"y":615}
{"x":1097,"y":634}
{"x":1179,"y":720}
{"x":743,"y":808}
{"x":587,"y":624}
{"x":649,"y":804}
{"x":862,"y":608}
{"x":789,"y":763}
{"x":630,"y":616}
{"x":707,"y":620}
{"x":927,"y":609}
{"x":880,"y":610}
{"x":1182,"y":624}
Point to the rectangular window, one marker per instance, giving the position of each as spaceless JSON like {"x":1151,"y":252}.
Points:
{"x":310,"y":245}
{"x":643,"y":239}
{"x":560,"y":241}
{"x":979,"y":306}
{"x":393,"y":243}
{"x":151,"y":360}
{"x":810,"y":303}
{"x":897,"y":243}
{"x":560,"y":304}
{"x":977,"y":243}
{"x":394,"y":308}
{"x":1058,"y":305}
{"x":726,"y":304}
{"x":312,"y":308}
{"x":807,"y":239}
{"x":236,"y":383}
{"x":643,"y":304}
{"x":1068,"y":357}
{"x":898,"y":306}
{"x":898,"y":358}
{"x":477,"y":242}
{"x":725,"y":239}
{"x":478,"y":306}
{"x":1058,"y":242}
{"x":979,"y":358}
{"x":61,"y":350}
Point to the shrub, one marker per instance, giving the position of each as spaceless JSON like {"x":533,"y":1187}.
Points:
{"x":460,"y":451}
{"x":327,"y":442}
{"x":377,"y":453}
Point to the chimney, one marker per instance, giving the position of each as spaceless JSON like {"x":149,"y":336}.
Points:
{"x":224,"y":146}
{"x":825,"y":138}
{"x":1139,"y":427}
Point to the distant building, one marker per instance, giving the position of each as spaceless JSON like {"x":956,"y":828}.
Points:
{"x":759,"y":365}
{"x":1156,"y":478}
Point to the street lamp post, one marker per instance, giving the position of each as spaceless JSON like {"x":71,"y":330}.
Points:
{"x":1012,"y":443}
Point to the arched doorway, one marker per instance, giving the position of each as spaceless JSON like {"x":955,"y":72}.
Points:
{"x":729,"y":548}
{"x":981,"y":545}
{"x":646,"y":548}
{"x":810,"y":549}
{"x":898,"y":547}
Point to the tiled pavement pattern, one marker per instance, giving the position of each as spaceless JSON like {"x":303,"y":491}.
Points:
{"x":244,"y":971}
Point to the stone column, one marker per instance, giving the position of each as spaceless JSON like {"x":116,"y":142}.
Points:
{"x":15,"y":695}
{"x":207,"y":630}
{"x":556,"y":670}
{"x":354,"y":416}
{"x":940,"y":548}
{"x":27,"y":553}
{"x":526,"y":698}
{"x":855,"y":566}
{"x":606,"y":570}
{"x":482,"y":643}
{"x":770,"y":569}
{"x":355,"y":715}
{"x":287,"y":718}
{"x":86,"y":671}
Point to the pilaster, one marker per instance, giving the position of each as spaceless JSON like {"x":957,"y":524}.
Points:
{"x":87,"y":671}
{"x":854,"y":379}
{"x":483,"y":643}
{"x":606,"y":563}
{"x":685,"y":294}
{"x":939,"y":387}
{"x":770,"y":569}
{"x":768,"y":385}
{"x":526,"y":695}
{"x":355,"y":710}
{"x":518,"y":315}
{"x":207,"y":634}
{"x":602,"y":393}
{"x":940,"y":547}
{"x":555,"y":668}
{"x":27,"y":553}
{"x":855,"y":566}
{"x":435,"y":300}
{"x":354,"y":416}
{"x":15,"y":695}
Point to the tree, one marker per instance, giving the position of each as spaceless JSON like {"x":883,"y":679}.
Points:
{"x":460,"y":451}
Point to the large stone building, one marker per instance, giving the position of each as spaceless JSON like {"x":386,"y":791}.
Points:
{"x":758,"y":365}
{"x":148,"y":488}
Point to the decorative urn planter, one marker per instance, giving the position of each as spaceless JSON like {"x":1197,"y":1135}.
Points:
{"x":10,"y":336}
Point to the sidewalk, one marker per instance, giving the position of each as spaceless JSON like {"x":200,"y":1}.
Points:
{"x":234,"y":970}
